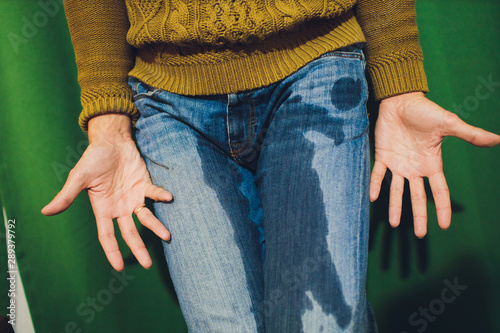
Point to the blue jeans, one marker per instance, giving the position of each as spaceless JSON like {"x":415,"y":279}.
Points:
{"x":270,"y":218}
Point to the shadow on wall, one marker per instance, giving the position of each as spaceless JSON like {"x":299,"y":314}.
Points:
{"x":455,"y":304}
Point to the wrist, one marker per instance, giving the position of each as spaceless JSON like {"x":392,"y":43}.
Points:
{"x":110,"y":127}
{"x":402,"y":100}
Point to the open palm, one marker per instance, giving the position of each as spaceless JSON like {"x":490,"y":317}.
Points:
{"x":408,"y":136}
{"x":117,"y":182}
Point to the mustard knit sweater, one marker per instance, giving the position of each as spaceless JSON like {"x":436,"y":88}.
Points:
{"x":200,"y":47}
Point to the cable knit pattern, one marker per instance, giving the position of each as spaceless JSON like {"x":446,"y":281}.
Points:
{"x":202,"y":47}
{"x":222,"y":22}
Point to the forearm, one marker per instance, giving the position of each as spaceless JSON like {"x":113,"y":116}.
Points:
{"x":394,"y":56}
{"x":103,"y":57}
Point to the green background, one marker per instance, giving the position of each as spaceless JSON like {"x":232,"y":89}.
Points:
{"x":63,"y":266}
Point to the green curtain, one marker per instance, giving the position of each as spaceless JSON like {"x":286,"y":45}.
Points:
{"x":443,"y":283}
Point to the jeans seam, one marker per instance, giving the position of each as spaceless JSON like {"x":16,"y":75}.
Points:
{"x":151,"y":95}
{"x":352,"y":55}
{"x":228,"y":126}
{"x":251,"y":129}
{"x":135,"y":86}
{"x":251,"y":136}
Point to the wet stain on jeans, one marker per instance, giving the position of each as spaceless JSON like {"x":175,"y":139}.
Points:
{"x":236,"y":194}
{"x":335,"y":124}
{"x":305,"y":265}
{"x":346,"y":93}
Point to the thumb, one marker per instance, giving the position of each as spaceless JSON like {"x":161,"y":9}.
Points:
{"x":474,"y":135}
{"x":73,"y":186}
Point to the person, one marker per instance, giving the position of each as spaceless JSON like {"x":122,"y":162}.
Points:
{"x":253,"y":114}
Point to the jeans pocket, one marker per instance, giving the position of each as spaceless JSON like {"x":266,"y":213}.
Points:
{"x":351,"y":51}
{"x":141,"y":90}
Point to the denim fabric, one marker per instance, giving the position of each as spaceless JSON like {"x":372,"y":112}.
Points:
{"x":270,"y":218}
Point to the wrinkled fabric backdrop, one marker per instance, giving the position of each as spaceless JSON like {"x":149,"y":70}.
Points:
{"x":446,"y":282}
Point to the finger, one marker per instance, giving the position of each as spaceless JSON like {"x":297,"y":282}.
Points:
{"x":441,"y":195}
{"x":158,"y":194}
{"x":73,"y":186}
{"x":152,"y":223}
{"x":106,"y":234}
{"x":134,"y":241}
{"x":419,"y":206}
{"x":376,"y":179}
{"x":474,"y":135}
{"x":396,"y":200}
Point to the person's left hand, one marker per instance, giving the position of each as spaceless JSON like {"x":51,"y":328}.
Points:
{"x":408,"y":136}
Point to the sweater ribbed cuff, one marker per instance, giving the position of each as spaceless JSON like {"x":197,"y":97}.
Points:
{"x":394,"y":77}
{"x":107,"y":106}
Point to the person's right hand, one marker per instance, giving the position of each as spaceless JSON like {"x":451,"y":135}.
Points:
{"x":117,"y":181}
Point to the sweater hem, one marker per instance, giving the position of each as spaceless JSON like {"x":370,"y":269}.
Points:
{"x":241,"y":68}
